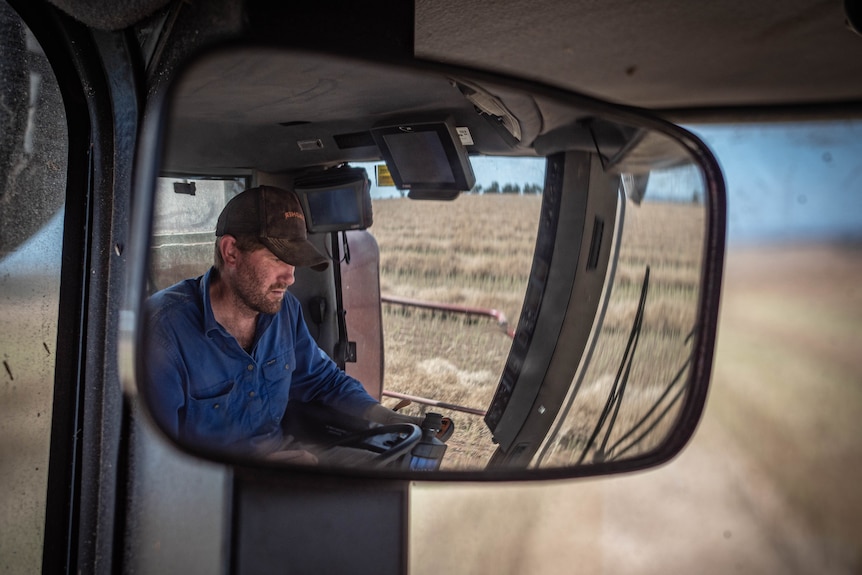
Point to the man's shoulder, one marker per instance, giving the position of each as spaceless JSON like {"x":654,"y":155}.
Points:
{"x":182,"y":296}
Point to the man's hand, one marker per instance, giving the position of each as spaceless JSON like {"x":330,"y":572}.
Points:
{"x":300,"y":456}
{"x":385,"y":416}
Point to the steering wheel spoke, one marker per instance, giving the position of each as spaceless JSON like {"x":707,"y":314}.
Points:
{"x":389,"y":442}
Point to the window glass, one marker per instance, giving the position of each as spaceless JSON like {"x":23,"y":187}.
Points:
{"x":631,"y":389}
{"x":33,"y":151}
{"x":184,"y":222}
{"x":438,"y":260}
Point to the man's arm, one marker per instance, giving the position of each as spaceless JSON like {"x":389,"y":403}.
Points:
{"x":163,"y":389}
{"x":317,"y":377}
{"x":385,"y":416}
{"x":321,"y":379}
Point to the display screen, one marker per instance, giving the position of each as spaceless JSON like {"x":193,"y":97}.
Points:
{"x":425,"y":157}
{"x":334,"y":207}
{"x":335,"y":200}
{"x":420,"y":157}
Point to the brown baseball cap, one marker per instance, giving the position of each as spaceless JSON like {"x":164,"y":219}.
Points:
{"x":275,"y":217}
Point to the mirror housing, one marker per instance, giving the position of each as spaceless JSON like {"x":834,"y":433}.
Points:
{"x":596,"y":150}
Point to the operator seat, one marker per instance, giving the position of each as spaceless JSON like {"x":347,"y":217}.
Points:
{"x":360,"y":289}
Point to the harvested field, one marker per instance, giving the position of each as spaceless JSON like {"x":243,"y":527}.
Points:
{"x":440,"y":252}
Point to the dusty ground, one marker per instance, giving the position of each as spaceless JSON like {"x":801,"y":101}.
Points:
{"x":770,"y":483}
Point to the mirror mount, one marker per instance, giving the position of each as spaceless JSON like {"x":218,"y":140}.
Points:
{"x":443,"y":195}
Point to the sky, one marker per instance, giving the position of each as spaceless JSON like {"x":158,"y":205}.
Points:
{"x":784,"y":182}
{"x":790,"y":183}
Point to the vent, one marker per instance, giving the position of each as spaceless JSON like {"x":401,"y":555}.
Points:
{"x":311,"y":144}
{"x":354,"y":140}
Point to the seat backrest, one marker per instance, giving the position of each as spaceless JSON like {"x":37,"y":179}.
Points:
{"x":360,"y":280}
{"x":360,"y":287}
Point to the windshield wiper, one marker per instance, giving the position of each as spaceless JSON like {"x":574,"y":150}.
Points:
{"x":615,"y":397}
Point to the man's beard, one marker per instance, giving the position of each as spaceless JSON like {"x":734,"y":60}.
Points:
{"x":248,"y":291}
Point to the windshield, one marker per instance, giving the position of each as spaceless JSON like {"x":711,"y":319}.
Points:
{"x":453,"y":276}
{"x":452,"y":279}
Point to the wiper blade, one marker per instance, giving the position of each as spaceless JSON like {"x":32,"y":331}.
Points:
{"x":617,"y":392}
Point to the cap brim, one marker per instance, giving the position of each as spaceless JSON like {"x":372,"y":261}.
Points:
{"x":299,"y":253}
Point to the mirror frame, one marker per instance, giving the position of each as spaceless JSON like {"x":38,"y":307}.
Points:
{"x":151,"y":147}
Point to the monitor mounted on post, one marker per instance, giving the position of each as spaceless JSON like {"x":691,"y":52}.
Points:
{"x":335,"y":200}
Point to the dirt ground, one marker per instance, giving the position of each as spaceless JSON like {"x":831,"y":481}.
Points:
{"x":769,"y":484}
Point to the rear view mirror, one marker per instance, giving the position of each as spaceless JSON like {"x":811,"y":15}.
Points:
{"x":593,"y":235}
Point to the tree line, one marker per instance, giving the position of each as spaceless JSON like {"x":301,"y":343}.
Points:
{"x":508,"y":188}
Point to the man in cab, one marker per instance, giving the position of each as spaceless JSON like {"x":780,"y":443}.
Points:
{"x":229,"y":350}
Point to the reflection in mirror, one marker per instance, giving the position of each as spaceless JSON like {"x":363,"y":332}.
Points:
{"x":544,"y":318}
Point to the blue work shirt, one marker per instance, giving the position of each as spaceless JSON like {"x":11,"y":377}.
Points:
{"x":204,"y":388}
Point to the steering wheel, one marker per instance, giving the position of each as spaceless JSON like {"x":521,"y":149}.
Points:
{"x":401,"y":439}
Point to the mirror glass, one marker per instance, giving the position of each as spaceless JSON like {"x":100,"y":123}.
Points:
{"x":551,"y":316}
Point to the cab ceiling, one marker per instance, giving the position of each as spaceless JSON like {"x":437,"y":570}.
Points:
{"x":730,"y":56}
{"x":263,"y":108}
{"x":702,"y":57}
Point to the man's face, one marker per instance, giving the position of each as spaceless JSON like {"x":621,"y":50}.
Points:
{"x":261,"y":279}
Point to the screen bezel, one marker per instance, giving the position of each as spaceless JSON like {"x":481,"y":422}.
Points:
{"x":356,"y":182}
{"x":446,"y":135}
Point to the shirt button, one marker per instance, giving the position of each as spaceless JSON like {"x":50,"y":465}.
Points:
{"x":216,"y":406}
{"x":287,"y":366}
{"x":250,"y":367}
{"x":251,"y":394}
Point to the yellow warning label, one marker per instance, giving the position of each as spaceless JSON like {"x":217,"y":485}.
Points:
{"x":384,"y":178}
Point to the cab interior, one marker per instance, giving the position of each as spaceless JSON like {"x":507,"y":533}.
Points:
{"x":118,"y":497}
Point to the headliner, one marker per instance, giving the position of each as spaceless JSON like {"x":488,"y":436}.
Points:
{"x":663,"y":54}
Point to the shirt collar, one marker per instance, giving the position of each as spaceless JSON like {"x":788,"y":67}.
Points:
{"x":210,"y":323}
